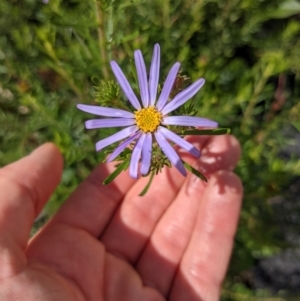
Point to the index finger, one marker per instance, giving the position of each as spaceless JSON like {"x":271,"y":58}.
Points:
{"x":92,"y":204}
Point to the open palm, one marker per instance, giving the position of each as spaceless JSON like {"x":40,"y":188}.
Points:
{"x":107,"y":243}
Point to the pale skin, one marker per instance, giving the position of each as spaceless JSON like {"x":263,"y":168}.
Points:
{"x":107,"y":243}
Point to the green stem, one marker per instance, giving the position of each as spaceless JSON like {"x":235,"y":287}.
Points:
{"x":239,"y":297}
{"x":166,"y":18}
{"x":253,"y":100}
{"x":56,"y":65}
{"x":197,"y":16}
{"x":101,"y":38}
{"x":123,"y":166}
{"x":62,"y":72}
{"x":144,"y":191}
{"x":110,"y":28}
{"x":218,"y":131}
{"x":196,"y":172}
{"x":32,"y":101}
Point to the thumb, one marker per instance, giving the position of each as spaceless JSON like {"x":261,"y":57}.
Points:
{"x":25,"y":187}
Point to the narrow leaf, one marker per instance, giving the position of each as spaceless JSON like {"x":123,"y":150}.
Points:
{"x":194,"y":171}
{"x":148,"y":184}
{"x":285,"y":10}
{"x":220,"y":131}
{"x":123,"y":166}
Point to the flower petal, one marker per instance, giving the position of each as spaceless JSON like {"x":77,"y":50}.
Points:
{"x":142,"y":77}
{"x":180,"y":141}
{"x":170,"y":152}
{"x":125,"y":85}
{"x":116,"y":137}
{"x":104,"y":111}
{"x":183,"y":96}
{"x":135,"y":157}
{"x":189,"y":121}
{"x":168,"y":85}
{"x":109,"y":123}
{"x":122,"y":146}
{"x":154,"y":74}
{"x":146,"y":154}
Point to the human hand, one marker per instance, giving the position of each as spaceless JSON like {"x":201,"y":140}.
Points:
{"x":107,"y":243}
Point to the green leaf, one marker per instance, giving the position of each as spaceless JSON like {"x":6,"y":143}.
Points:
{"x":144,"y":191}
{"x":296,"y":125}
{"x":221,"y":131}
{"x":194,"y":171}
{"x":286,"y":9}
{"x":123,"y":166}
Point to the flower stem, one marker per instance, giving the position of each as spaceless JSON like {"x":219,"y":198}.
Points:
{"x":144,"y":191}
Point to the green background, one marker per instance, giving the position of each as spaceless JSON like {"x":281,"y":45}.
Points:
{"x":247,"y":50}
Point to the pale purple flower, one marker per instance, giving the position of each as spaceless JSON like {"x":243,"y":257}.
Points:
{"x":150,"y":119}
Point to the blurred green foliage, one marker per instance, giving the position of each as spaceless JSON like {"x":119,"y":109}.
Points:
{"x":247,"y":50}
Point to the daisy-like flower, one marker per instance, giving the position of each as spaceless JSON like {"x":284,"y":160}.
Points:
{"x":150,"y":118}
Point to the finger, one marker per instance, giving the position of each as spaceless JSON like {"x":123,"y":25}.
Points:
{"x":160,"y":258}
{"x":220,"y":151}
{"x":135,"y":220}
{"x":25,"y":187}
{"x":92,"y":204}
{"x":88,"y":272}
{"x":204,"y":263}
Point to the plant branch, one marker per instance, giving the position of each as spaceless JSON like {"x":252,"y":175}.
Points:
{"x":101,"y":38}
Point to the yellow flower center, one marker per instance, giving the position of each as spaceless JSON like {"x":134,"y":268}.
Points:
{"x":148,"y":119}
